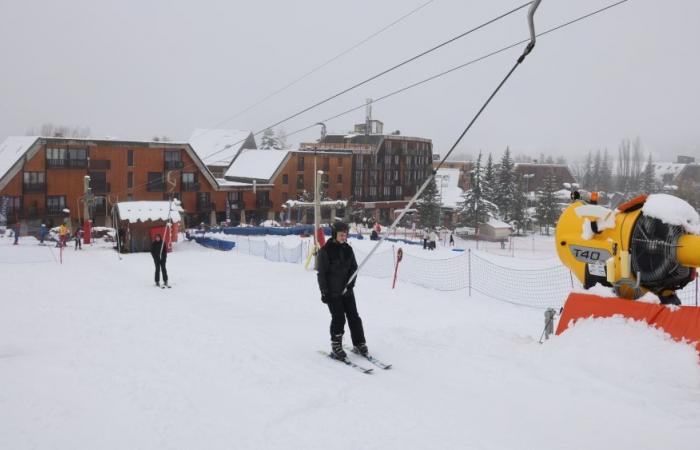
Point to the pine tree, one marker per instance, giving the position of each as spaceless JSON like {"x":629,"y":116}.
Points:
{"x":474,"y":208}
{"x":272,"y":141}
{"x":505,"y":188}
{"x":547,"y":208}
{"x":605,"y":173}
{"x":588,"y":172}
{"x":519,"y":213}
{"x":595,"y":178}
{"x":648,"y":184}
{"x":428,"y":206}
{"x":488,"y":183}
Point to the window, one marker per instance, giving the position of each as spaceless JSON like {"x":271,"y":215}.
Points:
{"x":373,"y":191}
{"x":56,"y":153}
{"x":396,"y":175}
{"x":263,"y":199}
{"x":300,"y":181}
{"x":387,"y":160}
{"x":130,"y":158}
{"x":14,"y":204}
{"x":77,"y":153}
{"x":66,"y":158}
{"x":300,"y":163}
{"x":203,"y":202}
{"x":285,"y":179}
{"x":129,"y":180}
{"x":339,"y":178}
{"x":173,"y":159}
{"x":234,"y":196}
{"x":155,"y":182}
{"x":387,"y":145}
{"x":399,"y":192}
{"x":188,"y":181}
{"x":358,"y":191}
{"x":396,"y":159}
{"x":387,"y":191}
{"x":34,"y":181}
{"x":98,"y":182}
{"x":55,"y":204}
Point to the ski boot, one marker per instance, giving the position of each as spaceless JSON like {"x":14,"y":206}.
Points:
{"x":337,"y":351}
{"x":361,"y":349}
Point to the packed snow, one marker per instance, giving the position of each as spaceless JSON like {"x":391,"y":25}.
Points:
{"x":94,"y":356}
{"x":673,"y":211}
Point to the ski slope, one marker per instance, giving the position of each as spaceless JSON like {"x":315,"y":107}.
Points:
{"x":92,"y":356}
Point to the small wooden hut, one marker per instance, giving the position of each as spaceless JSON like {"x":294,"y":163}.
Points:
{"x":139,"y":222}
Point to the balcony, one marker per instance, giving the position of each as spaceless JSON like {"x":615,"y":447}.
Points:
{"x":172,"y":165}
{"x":100,"y":187}
{"x":34,"y":188}
{"x":100,"y":164}
{"x":66,"y":163}
{"x":190,"y":187}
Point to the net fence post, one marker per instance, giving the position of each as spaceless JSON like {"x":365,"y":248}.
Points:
{"x":469,"y":270}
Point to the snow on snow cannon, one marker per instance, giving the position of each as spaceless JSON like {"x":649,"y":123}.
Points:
{"x":648,"y":244}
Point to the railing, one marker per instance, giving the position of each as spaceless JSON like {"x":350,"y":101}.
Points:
{"x":190,"y":187}
{"x":65,"y":163}
{"x":171,"y":165}
{"x":28,"y":188}
{"x":100,"y":164}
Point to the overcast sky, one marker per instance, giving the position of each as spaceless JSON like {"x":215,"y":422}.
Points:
{"x":135,"y":69}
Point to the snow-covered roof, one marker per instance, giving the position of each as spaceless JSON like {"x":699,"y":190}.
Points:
{"x":225,"y":182}
{"x":218,"y":147}
{"x":666,"y":169}
{"x":447,"y":181}
{"x":142,"y":211}
{"x":495,"y":223}
{"x":258,"y":164}
{"x":12,"y":149}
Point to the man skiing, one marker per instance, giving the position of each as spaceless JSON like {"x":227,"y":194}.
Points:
{"x":336,"y":264}
{"x":160,"y":256}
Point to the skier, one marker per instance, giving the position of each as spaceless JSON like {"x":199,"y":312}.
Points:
{"x":78,"y":237}
{"x":336,"y":264}
{"x":160,"y":255}
{"x":62,"y":235}
{"x":425,"y":238}
{"x":452,"y":239}
{"x":42,"y":234}
{"x":17,"y":231}
{"x":432,"y":240}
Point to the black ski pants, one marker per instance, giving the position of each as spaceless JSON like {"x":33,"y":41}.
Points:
{"x":160,"y":266}
{"x":342,"y":307}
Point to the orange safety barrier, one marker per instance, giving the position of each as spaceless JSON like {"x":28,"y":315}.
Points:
{"x":681,"y":322}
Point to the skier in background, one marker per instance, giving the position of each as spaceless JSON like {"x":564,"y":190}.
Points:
{"x":336,"y":264}
{"x":79,"y":237}
{"x":452,"y":238}
{"x":425,"y":238}
{"x":17,"y":230}
{"x":42,"y":234}
{"x":432,"y":240}
{"x":160,"y":256}
{"x":62,"y":235}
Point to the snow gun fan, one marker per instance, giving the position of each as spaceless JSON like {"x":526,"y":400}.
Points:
{"x":632,"y":251}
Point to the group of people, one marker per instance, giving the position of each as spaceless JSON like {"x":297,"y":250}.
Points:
{"x":430,"y":238}
{"x":65,"y":234}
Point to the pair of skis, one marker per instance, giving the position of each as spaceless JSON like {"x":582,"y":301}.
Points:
{"x":349,"y":363}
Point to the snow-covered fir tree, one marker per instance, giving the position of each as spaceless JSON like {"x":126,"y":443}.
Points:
{"x":519,"y":214}
{"x":605,"y":180}
{"x":488,"y":183}
{"x":474,"y":208}
{"x":547,"y":209}
{"x":428,"y":206}
{"x":273,"y":141}
{"x":506,"y":188}
{"x":648,"y":183}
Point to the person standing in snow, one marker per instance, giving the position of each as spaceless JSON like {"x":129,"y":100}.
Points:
{"x":17,"y":230}
{"x":336,"y":264}
{"x":42,"y":234}
{"x":425,"y":238}
{"x":160,"y":256}
{"x":79,"y":237}
{"x":452,"y":239}
{"x":432,"y":240}
{"x":62,"y":235}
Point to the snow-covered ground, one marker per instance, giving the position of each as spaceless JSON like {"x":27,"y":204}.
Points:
{"x":92,"y":356}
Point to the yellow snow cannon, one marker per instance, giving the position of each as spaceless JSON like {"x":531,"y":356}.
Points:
{"x":625,"y":249}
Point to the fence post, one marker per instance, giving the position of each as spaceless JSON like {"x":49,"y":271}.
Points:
{"x":469,"y":270}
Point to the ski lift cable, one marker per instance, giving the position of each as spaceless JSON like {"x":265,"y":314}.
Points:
{"x":528,"y":49}
{"x":380,"y":74}
{"x":357,"y":85}
{"x":319,"y":67}
{"x":460,"y":66}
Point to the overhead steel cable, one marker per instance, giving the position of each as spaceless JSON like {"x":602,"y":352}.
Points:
{"x":458,"y":67}
{"x":322,"y":65}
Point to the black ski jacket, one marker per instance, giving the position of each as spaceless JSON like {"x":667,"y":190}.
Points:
{"x":155,"y":251}
{"x":336,"y":264}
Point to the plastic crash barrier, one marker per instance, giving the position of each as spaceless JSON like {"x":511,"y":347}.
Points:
{"x":681,"y":322}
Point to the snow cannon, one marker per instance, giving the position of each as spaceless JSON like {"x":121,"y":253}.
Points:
{"x":648,"y":244}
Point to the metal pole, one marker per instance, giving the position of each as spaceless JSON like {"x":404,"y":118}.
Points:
{"x":696,"y":292}
{"x":469,"y":270}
